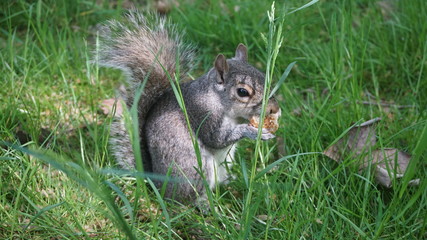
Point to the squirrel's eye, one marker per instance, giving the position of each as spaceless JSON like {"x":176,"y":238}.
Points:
{"x":242,"y":92}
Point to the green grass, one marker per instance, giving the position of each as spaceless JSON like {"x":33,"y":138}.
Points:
{"x":355,"y":61}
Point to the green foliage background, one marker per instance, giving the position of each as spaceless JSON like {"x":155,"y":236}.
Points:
{"x":356,"y":60}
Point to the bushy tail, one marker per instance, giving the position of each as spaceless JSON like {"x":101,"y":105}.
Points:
{"x":144,"y":47}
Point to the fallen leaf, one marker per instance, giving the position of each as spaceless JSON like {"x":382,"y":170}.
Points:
{"x":112,"y":105}
{"x":358,"y":140}
{"x":388,"y":158}
{"x":389,"y":163}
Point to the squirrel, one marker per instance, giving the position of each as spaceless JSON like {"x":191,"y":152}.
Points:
{"x":218,"y":103}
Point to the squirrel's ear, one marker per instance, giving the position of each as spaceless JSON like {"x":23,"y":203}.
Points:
{"x":221,"y":67}
{"x":241,"y":52}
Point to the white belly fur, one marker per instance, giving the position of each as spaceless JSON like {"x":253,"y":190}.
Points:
{"x":219,"y":160}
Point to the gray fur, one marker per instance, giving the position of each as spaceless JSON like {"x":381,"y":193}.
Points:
{"x":141,"y":49}
{"x":215,"y":109}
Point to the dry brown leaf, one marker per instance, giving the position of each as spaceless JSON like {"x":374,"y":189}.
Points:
{"x":389,"y":163}
{"x":108,"y":105}
{"x":388,"y":158}
{"x":358,"y":140}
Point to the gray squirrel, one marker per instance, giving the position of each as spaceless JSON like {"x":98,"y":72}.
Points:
{"x":218,"y":104}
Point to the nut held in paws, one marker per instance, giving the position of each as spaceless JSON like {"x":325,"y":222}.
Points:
{"x":270,"y":122}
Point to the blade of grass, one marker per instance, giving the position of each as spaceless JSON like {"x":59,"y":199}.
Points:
{"x":163,"y":206}
{"x":277,"y":162}
{"x":420,"y":148}
{"x":41,"y":211}
{"x":85,"y":178}
{"x":360,"y":231}
{"x":304,"y":6}
{"x":282,"y":79}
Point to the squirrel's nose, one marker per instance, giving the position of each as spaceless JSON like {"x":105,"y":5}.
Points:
{"x":273,"y":106}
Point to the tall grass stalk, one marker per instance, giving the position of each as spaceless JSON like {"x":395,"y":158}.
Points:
{"x":273,"y":42}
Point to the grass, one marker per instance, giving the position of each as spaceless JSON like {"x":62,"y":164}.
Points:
{"x":356,"y":60}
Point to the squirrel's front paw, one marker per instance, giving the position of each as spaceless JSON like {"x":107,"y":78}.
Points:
{"x":252,"y":133}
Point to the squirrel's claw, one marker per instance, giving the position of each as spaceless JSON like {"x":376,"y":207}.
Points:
{"x":265,"y":134}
